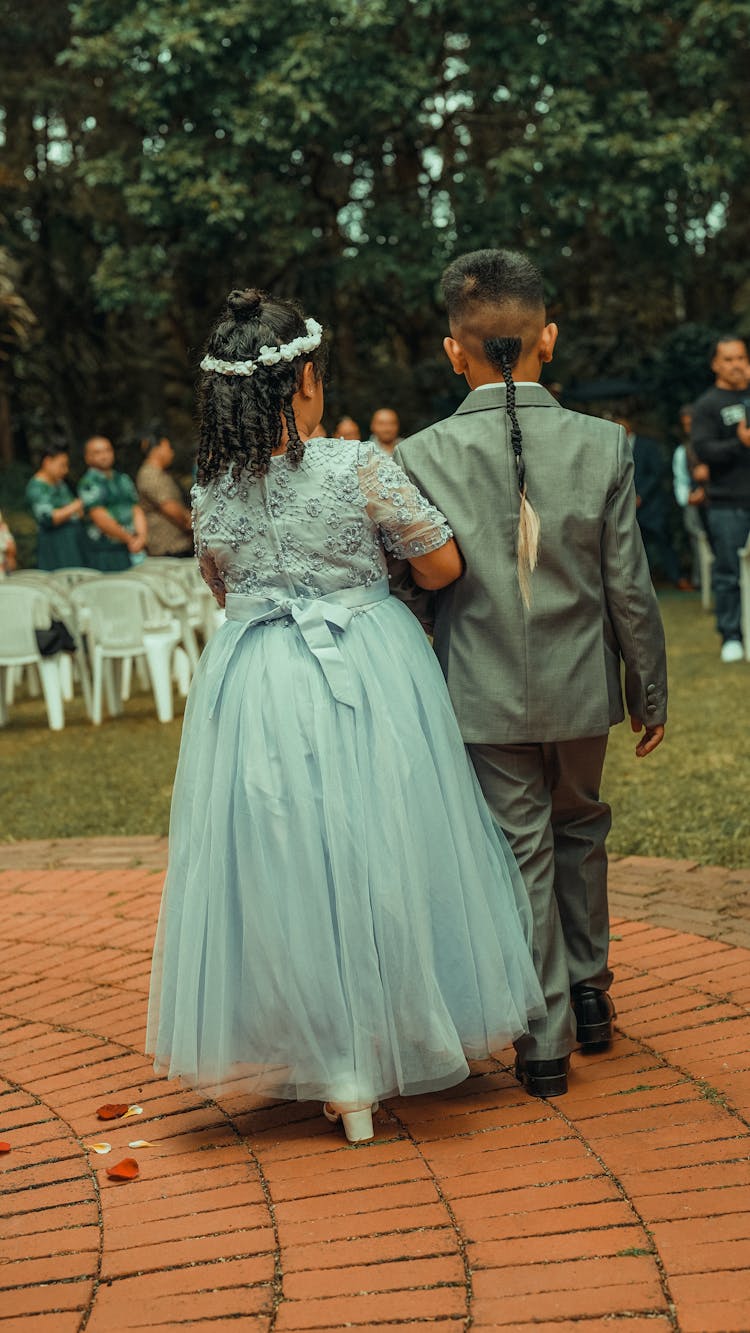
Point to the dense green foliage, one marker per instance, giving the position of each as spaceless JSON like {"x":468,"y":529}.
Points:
{"x":160,"y":151}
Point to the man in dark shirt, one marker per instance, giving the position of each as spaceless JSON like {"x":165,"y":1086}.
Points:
{"x":721,"y":438}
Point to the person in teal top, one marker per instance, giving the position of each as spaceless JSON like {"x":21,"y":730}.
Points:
{"x":58,"y":512}
{"x":116,"y":525}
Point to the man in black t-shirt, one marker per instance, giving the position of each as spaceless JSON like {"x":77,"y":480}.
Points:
{"x":721,"y":438}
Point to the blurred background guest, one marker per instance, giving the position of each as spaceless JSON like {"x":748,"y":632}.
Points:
{"x":384,"y":429}
{"x":57,"y":511}
{"x":168,"y":523}
{"x":651,"y":503}
{"x":116,"y":524}
{"x":7,"y":549}
{"x":347,"y":429}
{"x":721,"y":439}
{"x":688,"y":492}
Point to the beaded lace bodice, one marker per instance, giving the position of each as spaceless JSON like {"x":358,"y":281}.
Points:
{"x":316,"y":529}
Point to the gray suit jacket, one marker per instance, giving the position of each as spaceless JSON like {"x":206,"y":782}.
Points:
{"x":552,"y":672}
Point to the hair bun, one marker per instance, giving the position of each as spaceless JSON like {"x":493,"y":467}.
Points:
{"x":245,"y":304}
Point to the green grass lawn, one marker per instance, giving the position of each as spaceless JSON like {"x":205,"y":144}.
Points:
{"x":689,"y":799}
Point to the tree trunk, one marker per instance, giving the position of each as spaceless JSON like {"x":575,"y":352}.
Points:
{"x":6,"y":434}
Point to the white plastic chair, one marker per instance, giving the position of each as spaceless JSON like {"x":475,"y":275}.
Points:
{"x":744,"y":555}
{"x":72,"y":575}
{"x":169,"y":588}
{"x":205,"y":616}
{"x":24,"y":609}
{"x":705,"y":560}
{"x":62,"y":609}
{"x":125,"y":621}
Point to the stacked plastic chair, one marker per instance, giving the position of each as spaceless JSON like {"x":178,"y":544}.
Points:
{"x":23,"y":610}
{"x":125,"y":622}
{"x":62,"y":608}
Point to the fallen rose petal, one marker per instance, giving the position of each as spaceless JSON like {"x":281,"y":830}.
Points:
{"x":4,"y":1147}
{"x":98,"y":1147}
{"x":127,"y":1169}
{"x":140,"y":1143}
{"x":133,"y":1110}
{"x":112,"y":1111}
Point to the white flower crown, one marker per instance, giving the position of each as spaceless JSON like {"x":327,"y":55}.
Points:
{"x":268,"y":356}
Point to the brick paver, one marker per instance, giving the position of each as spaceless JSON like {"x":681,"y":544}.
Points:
{"x":679,"y":895}
{"x":622,"y":1208}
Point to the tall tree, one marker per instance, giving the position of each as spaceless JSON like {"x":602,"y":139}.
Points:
{"x":168,"y":149}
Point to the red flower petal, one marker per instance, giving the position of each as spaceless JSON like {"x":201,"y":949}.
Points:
{"x":4,"y":1147}
{"x":112,"y":1111}
{"x":127,"y":1169}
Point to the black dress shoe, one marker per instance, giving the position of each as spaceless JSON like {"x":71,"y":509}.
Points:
{"x":543,"y":1078}
{"x":594,"y":1012}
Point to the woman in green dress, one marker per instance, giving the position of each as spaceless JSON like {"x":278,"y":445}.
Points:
{"x":57,"y":511}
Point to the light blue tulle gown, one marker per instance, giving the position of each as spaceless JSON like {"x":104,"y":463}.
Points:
{"x":341,"y":918}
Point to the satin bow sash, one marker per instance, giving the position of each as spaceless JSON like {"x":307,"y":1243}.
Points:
{"x":318,"y":619}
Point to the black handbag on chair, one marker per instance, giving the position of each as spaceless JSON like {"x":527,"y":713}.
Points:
{"x":56,"y":639}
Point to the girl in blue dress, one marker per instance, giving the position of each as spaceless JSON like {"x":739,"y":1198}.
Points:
{"x":341,"y":920}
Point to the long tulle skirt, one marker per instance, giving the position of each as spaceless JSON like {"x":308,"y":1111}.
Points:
{"x":342,"y":919}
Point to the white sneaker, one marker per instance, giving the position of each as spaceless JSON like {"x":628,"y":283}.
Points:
{"x":732,"y":651}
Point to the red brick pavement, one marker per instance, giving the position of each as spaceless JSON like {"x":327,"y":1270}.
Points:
{"x":682,"y":895}
{"x":622,"y":1208}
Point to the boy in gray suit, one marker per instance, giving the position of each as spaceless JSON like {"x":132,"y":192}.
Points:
{"x":556,"y":593}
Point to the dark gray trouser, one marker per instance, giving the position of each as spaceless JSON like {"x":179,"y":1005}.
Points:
{"x":546,"y":799}
{"x":729,"y":529}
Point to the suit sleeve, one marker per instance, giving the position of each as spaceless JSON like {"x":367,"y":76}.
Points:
{"x":631,"y":600}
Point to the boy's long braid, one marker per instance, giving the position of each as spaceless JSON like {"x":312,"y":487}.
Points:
{"x":503,"y":354}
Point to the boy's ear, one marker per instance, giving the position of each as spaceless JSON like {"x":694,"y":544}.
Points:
{"x":456,"y":355}
{"x":547,"y":342}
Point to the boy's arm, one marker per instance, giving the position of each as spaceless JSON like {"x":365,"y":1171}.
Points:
{"x":631,"y":600}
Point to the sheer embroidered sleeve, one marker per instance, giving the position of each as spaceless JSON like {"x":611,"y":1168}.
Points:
{"x":210,"y":572}
{"x":409,"y":525}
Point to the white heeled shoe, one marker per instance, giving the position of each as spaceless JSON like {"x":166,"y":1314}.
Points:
{"x":357,"y":1123}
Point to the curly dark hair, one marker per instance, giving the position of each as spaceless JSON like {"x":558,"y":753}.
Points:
{"x":241,"y":415}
